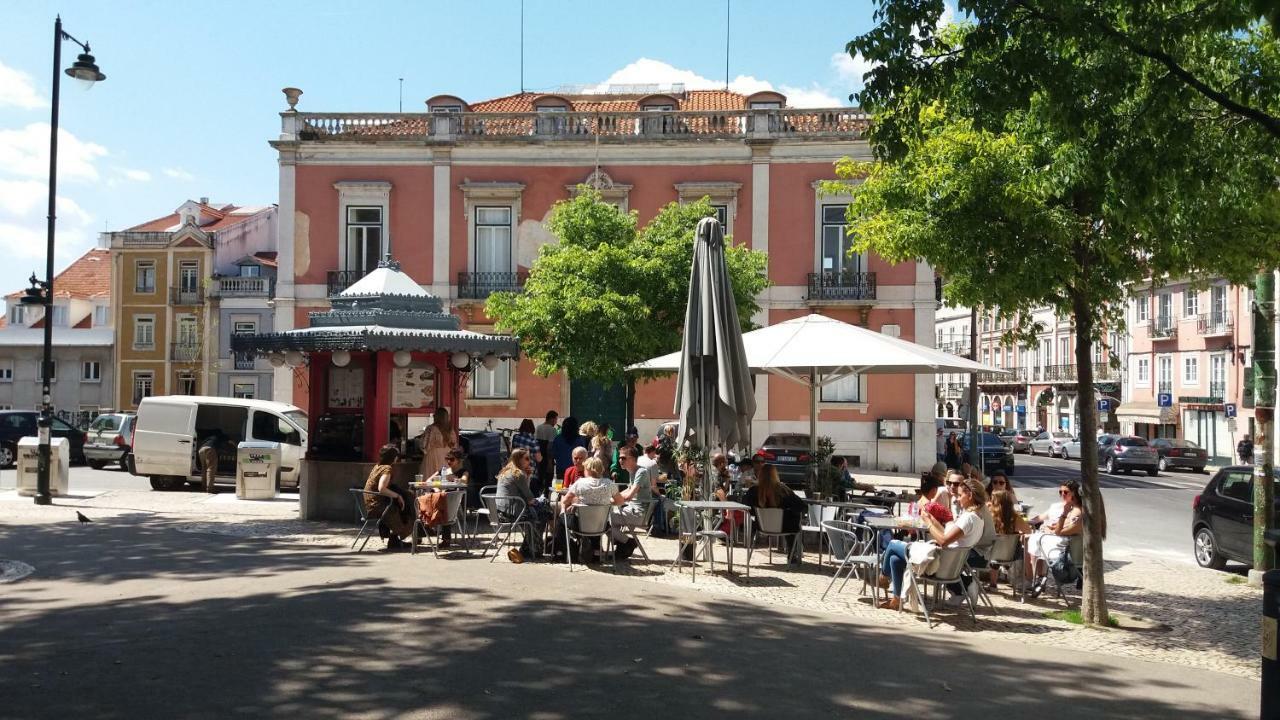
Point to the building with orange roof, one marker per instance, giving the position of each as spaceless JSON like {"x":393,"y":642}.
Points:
{"x":459,"y":194}
{"x":182,"y":283}
{"x":83,"y":344}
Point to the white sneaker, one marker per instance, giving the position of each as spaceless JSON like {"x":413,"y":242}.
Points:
{"x":954,"y":601}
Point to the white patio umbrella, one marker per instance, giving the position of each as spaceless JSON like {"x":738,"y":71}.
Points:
{"x":714,"y":396}
{"x":816,"y":350}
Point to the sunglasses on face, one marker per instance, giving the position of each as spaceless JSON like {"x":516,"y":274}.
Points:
{"x":998,"y":482}
{"x":1064,"y":493}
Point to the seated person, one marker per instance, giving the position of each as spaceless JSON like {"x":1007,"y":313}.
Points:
{"x":593,"y":489}
{"x":1006,"y":521}
{"x":964,"y":531}
{"x":452,"y":472}
{"x":1000,"y":481}
{"x":513,"y":481}
{"x":398,"y":524}
{"x":769,"y":492}
{"x":574,"y":472}
{"x":847,"y":481}
{"x":1055,"y":526}
{"x":645,"y":484}
{"x":933,"y":499}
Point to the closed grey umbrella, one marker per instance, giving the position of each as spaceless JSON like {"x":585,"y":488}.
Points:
{"x":715,"y":399}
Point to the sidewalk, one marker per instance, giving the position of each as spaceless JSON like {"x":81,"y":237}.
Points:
{"x":1206,"y":621}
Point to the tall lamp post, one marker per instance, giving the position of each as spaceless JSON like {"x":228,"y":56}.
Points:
{"x":85,"y":70}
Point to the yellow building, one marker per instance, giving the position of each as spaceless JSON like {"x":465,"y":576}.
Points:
{"x":166,"y":333}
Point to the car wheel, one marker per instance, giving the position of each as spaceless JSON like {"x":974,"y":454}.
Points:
{"x":127,"y":464}
{"x":1032,"y":451}
{"x":165,"y":482}
{"x":7,"y":456}
{"x":1065,"y":454}
{"x":97,"y":464}
{"x":1206,"y":550}
{"x":1111,"y":466}
{"x":1162,"y":465}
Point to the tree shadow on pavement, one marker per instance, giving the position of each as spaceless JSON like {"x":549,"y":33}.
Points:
{"x":294,"y":631}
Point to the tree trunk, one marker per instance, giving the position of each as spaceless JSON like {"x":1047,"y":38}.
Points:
{"x":1093,"y":600}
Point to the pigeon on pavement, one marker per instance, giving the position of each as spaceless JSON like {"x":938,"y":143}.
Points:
{"x":80,"y":516}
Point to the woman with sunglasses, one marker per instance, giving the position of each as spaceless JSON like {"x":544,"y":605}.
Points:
{"x":1000,"y":481}
{"x":965,"y":532}
{"x":1056,"y":526}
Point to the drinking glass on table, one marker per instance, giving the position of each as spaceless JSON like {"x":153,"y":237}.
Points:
{"x":557,"y":484}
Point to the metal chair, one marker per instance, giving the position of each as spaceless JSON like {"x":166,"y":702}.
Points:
{"x":1075,"y":548}
{"x":819,"y":514}
{"x":769,"y":524}
{"x":690,"y":536}
{"x":453,"y":505}
{"x":618,"y":522}
{"x":364,"y":518}
{"x":507,"y":514}
{"x":950,"y":570}
{"x":855,"y":546}
{"x":1004,"y":554}
{"x":483,"y":509}
{"x":593,"y":522}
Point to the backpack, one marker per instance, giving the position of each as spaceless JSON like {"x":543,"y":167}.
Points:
{"x":1063,"y":568}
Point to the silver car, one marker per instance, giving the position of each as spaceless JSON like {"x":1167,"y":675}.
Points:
{"x":1017,"y":440}
{"x":1050,"y":443}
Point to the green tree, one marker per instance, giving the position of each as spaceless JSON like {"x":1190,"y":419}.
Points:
{"x":1034,"y":169}
{"x":608,"y":295}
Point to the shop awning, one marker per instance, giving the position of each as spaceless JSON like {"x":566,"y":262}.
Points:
{"x":1140,"y":410}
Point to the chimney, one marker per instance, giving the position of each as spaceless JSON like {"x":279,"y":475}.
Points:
{"x":204,"y":201}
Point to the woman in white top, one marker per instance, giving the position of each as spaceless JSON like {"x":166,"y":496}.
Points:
{"x":964,"y":531}
{"x":1056,"y":527}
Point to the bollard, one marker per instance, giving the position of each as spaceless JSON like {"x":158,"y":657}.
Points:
{"x":1270,"y":664}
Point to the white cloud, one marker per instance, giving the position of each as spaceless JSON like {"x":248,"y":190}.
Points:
{"x":179,"y":174}
{"x":650,"y":71}
{"x":134,"y":175}
{"x":850,"y":69}
{"x":23,"y":199}
{"x":25,"y":153}
{"x":25,"y":242}
{"x":17,"y":90}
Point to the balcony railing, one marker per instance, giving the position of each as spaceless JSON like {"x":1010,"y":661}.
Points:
{"x":1218,"y":389}
{"x":1164,"y":386}
{"x":1011,"y":376}
{"x":244,"y":361}
{"x":339,"y":280}
{"x":955,"y":348}
{"x":954,"y":390}
{"x":1163,"y":328}
{"x":228,"y":287}
{"x":186,"y":296}
{"x":139,"y":239}
{"x":846,"y":123}
{"x":479,"y":285}
{"x":1215,"y":323}
{"x":184,"y":352}
{"x":1058,"y":373}
{"x":841,"y":286}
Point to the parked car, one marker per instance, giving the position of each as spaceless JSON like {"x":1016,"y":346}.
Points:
{"x":1017,"y":440}
{"x":110,"y":440}
{"x":789,"y":452}
{"x":1180,"y":453}
{"x":995,"y":454}
{"x":1126,"y":452}
{"x":17,"y":424}
{"x":1071,"y":448}
{"x":1049,"y":443}
{"x":1222,"y":517}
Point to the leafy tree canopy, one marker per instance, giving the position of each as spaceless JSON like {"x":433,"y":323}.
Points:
{"x":608,"y":295}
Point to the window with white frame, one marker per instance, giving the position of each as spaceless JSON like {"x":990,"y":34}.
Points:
{"x":492,"y":384}
{"x":1143,"y":371}
{"x":1164,"y":372}
{"x":1141,"y":309}
{"x":766,"y":105}
{"x":144,"y":382}
{"x":188,"y":276}
{"x":250,"y":271}
{"x":187,"y":384}
{"x":1218,"y":303}
{"x":144,"y":332}
{"x":722,"y":215}
{"x":1164,"y":309}
{"x":1064,"y":351}
{"x":17,"y":314}
{"x":1190,"y":303}
{"x":6,"y":371}
{"x":364,"y":239}
{"x":245,"y":390}
{"x":836,"y":243}
{"x":144,"y":276}
{"x":1190,"y":369}
{"x":101,"y":315}
{"x":845,"y":390}
{"x":53,"y":374}
{"x":61,"y":313}
{"x":493,"y":249}
{"x":91,"y":371}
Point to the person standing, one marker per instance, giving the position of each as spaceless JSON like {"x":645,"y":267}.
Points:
{"x":545,"y":434}
{"x":208,"y":454}
{"x":1244,"y":449}
{"x":954,"y":453}
{"x":526,"y":438}
{"x":439,"y":441}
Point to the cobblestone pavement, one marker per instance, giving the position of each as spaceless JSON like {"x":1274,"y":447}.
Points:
{"x":1204,"y":619}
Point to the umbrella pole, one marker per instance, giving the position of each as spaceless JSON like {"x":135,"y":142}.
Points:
{"x":813,"y":419}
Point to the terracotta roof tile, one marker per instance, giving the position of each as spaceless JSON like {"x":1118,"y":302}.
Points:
{"x":267,"y":258}
{"x":87,"y":278}
{"x":217,"y":219}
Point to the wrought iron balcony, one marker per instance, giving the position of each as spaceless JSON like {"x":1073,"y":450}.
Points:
{"x":841,"y":287}
{"x":1011,"y":376}
{"x":1215,"y":323}
{"x":1058,"y":373}
{"x":186,"y":296}
{"x":1163,"y":328}
{"x":243,"y":361}
{"x":955,"y":348}
{"x":1218,"y":389}
{"x":479,"y":285}
{"x":243,"y":287}
{"x":184,"y":352}
{"x":339,"y":280}
{"x":954,"y":390}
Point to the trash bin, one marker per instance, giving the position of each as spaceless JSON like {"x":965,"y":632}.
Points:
{"x":29,"y":465}
{"x":257,"y":470}
{"x":484,"y":460}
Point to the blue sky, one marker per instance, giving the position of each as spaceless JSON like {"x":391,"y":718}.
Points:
{"x":193,"y":89}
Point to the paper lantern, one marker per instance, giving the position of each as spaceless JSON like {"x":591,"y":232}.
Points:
{"x":342,"y":358}
{"x":276,"y":359}
{"x":293,"y":357}
{"x":402,"y":358}
{"x":460,"y":360}
{"x":490,"y":361}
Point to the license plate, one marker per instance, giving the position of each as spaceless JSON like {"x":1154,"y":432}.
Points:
{"x":786,"y":458}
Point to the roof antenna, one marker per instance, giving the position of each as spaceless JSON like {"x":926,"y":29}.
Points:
{"x":401,"y":94}
{"x":726,"y":44}
{"x":522,"y":47}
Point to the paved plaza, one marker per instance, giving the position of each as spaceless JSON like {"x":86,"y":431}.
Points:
{"x":186,"y":605}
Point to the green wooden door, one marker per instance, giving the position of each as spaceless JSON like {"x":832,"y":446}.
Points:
{"x":589,"y":400}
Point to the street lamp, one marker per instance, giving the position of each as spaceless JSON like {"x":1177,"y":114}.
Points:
{"x":85,"y":70}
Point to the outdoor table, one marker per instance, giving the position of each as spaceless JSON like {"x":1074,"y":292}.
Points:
{"x":424,"y":487}
{"x":890,"y":522}
{"x":706,"y":507}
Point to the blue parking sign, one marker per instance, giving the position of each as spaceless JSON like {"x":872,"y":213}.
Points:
{"x":1104,"y":404}
{"x":1230,"y":409}
{"x":1164,"y":400}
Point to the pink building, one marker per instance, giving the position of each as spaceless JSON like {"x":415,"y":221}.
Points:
{"x":458,"y":195}
{"x":1193,"y":346}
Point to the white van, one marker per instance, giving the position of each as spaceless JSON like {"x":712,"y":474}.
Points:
{"x":171,"y":427}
